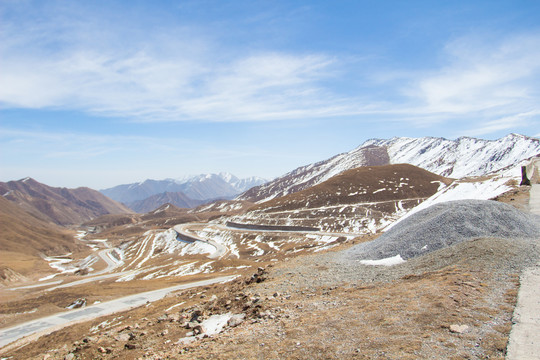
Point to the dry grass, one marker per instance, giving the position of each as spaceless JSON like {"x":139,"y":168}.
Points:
{"x":406,"y":319}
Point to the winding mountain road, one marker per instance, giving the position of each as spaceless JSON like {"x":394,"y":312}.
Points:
{"x":322,"y":233}
{"x":112,"y":263}
{"x":221,"y":250}
{"x":45,"y":325}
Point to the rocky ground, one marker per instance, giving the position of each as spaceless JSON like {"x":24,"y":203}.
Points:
{"x":452,"y":303}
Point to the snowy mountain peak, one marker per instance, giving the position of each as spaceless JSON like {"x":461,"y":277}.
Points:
{"x":463,"y":157}
{"x":228,"y":177}
{"x":197,"y":187}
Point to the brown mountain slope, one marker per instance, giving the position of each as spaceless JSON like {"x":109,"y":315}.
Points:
{"x":361,"y":200}
{"x":306,"y":176}
{"x":23,"y":237}
{"x":60,"y":205}
{"x":361,"y":185}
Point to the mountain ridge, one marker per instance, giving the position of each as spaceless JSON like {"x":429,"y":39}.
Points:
{"x":465,"y":156}
{"x":197,"y":187}
{"x":356,"y":200}
{"x":61,"y":206}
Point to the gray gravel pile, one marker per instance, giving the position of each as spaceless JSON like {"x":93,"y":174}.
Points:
{"x":445,"y":224}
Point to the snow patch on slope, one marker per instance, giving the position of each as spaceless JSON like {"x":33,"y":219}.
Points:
{"x":481,"y":189}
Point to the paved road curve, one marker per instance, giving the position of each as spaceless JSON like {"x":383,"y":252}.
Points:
{"x":55,"y":322}
{"x":221,"y":250}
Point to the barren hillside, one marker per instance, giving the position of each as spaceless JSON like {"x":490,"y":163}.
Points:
{"x":60,"y":205}
{"x":23,"y":237}
{"x":357,"y":200}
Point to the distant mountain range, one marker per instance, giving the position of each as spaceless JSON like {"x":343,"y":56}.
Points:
{"x":178,"y":199}
{"x":61,"y":206}
{"x":190,"y":191}
{"x":458,"y":158}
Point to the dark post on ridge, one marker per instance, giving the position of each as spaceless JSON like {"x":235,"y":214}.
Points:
{"x":524,"y":179}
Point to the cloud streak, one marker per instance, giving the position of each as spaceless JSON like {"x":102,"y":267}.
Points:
{"x":163,"y":76}
{"x":496,"y":82}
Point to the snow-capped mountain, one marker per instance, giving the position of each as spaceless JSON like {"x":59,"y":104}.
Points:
{"x":458,"y":158}
{"x":247,"y":183}
{"x":196,"y":187}
{"x":465,"y":156}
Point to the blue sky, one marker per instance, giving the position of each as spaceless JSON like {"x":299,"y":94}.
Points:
{"x":100,"y":93}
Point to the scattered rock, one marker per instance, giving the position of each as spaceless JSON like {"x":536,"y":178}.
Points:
{"x":122,"y":328}
{"x":236,"y":320}
{"x":79,"y":303}
{"x":104,"y":350}
{"x":89,"y":339}
{"x":198,"y":329}
{"x":162,"y":318}
{"x":175,"y":317}
{"x":258,"y":277}
{"x":265,"y":314}
{"x":125,"y":337}
{"x":130,"y":346}
{"x":459,"y":329}
{"x":69,"y":356}
{"x":195,"y":315}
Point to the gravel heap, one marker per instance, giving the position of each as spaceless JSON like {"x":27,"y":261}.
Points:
{"x":445,"y":224}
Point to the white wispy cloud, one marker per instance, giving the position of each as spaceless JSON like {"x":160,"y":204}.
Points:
{"x":484,"y":75}
{"x":509,"y":123}
{"x":167,"y":75}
